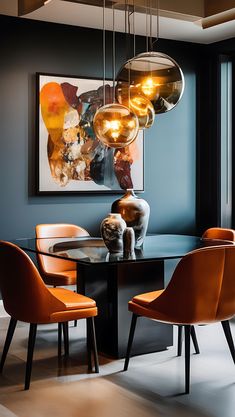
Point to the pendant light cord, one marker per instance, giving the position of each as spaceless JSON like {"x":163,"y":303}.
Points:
{"x":104,"y":54}
{"x":150,"y":26}
{"x":146,"y":25}
{"x":114,"y":54}
{"x":157,"y":35}
{"x":134,"y":27}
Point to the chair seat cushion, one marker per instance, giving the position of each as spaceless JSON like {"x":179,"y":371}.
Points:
{"x":72,"y":300}
{"x":145,"y":311}
{"x":60,"y":278}
{"x":146,"y":298}
{"x":70,"y":315}
{"x":73,"y":306}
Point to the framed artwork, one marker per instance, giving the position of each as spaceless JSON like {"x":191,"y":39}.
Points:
{"x":71,"y":159}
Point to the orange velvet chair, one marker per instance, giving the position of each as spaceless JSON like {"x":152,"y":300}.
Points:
{"x":219,"y":233}
{"x":26,"y":298}
{"x":201,"y":291}
{"x":55,"y":271}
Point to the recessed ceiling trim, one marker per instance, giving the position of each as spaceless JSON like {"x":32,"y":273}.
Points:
{"x":28,"y":6}
{"x":213,"y":7}
{"x":217,"y":19}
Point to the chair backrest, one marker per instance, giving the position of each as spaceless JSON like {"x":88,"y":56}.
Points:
{"x":202,"y":288}
{"x":219,"y":233}
{"x":48,"y":264}
{"x":25,"y":296}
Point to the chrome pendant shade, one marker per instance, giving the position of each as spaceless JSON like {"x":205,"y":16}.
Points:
{"x":153,"y":75}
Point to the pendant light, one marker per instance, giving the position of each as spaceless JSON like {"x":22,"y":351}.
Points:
{"x":126,"y":95}
{"x":153,"y":75}
{"x":114,"y":124}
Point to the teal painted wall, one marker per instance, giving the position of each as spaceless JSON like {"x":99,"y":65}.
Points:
{"x":28,"y":47}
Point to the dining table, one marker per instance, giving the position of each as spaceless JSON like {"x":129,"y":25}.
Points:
{"x":113,"y":279}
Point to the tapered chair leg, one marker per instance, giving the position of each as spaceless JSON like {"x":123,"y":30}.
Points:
{"x":180,"y":340}
{"x":10,"y":333}
{"x":31,"y":343}
{"x":59,"y":339}
{"x":89,"y":344}
{"x":194,"y":339}
{"x":93,"y":338}
{"x":228,"y":335}
{"x":187,"y":331}
{"x":66,"y":337}
{"x":130,"y":340}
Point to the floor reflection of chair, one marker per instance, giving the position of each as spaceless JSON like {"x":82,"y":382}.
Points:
{"x":201,"y":291}
{"x":26,"y":298}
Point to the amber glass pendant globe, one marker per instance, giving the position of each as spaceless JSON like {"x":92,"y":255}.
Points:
{"x":139,"y":104}
{"x":115,"y":125}
{"x":155,"y":76}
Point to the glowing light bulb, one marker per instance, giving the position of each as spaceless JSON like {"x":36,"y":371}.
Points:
{"x":149,"y":88}
{"x":115,"y":125}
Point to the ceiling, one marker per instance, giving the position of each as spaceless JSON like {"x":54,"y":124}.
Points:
{"x":179,"y":19}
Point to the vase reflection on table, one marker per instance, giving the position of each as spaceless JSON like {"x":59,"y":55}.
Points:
{"x":135,"y":211}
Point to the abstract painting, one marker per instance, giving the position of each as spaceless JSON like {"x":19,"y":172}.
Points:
{"x":71,"y":158}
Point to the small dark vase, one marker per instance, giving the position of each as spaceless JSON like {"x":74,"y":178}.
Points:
{"x":135,"y":211}
{"x":112,"y":228}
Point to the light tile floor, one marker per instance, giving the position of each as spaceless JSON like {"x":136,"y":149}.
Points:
{"x":152,"y":386}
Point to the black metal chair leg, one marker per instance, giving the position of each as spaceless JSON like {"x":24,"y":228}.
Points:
{"x":31,"y":343}
{"x":180,"y":340}
{"x":89,"y":343}
{"x":130,"y":340}
{"x":228,"y":335}
{"x":187,"y":332}
{"x":66,"y":337}
{"x":93,"y":338}
{"x":59,"y":339}
{"x":194,"y":339}
{"x":10,"y":333}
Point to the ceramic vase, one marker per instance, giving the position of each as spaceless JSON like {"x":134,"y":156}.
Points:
{"x":135,"y":211}
{"x":112,"y":228}
{"x":129,"y":243}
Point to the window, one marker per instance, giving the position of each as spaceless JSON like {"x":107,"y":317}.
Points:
{"x":226,"y":144}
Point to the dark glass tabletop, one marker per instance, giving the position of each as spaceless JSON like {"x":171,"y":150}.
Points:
{"x":90,"y":250}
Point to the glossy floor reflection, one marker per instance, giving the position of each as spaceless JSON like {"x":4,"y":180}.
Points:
{"x":151,"y":387}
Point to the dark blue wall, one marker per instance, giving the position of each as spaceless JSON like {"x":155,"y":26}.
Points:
{"x":28,"y":47}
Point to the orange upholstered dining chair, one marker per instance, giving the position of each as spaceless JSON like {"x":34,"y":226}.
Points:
{"x":26,"y":298}
{"x":56,"y":271}
{"x":211,"y":233}
{"x":201,"y":291}
{"x":219,"y":233}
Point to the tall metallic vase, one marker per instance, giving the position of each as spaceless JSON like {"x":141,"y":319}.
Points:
{"x":135,"y":211}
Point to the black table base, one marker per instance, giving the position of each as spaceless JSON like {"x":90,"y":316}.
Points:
{"x":112,"y":286}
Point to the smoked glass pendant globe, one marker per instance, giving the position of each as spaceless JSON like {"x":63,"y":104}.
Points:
{"x":115,"y":125}
{"x":139,"y":104}
{"x":154,"y":75}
